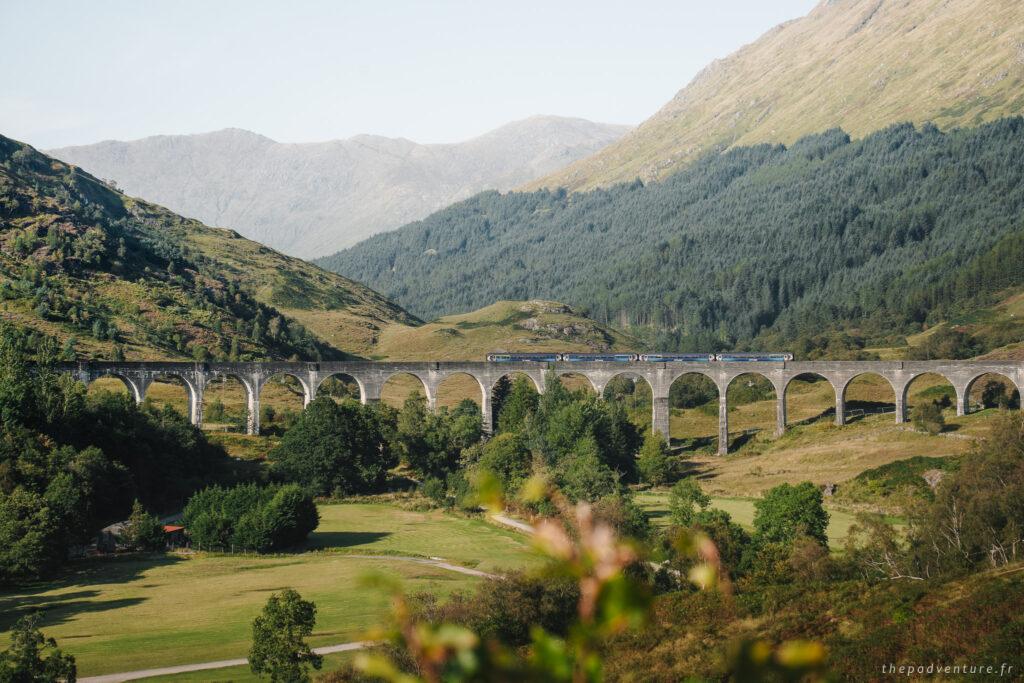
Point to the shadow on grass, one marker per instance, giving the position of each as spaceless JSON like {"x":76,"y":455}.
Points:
{"x":697,"y":443}
{"x":656,"y":514}
{"x":19,"y":600}
{"x":827,"y":413}
{"x":743,"y":439}
{"x":344,"y":539}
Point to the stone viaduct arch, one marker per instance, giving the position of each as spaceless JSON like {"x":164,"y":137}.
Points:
{"x":370,"y":377}
{"x":973,"y":381}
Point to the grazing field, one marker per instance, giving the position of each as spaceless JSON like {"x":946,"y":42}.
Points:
{"x":137,"y":612}
{"x":655,"y":503}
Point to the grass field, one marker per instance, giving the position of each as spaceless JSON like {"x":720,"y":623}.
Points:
{"x":655,"y":503}
{"x":137,"y":612}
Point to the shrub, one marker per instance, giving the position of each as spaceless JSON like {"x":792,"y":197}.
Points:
{"x":787,"y":511}
{"x":684,"y":496}
{"x":928,"y":417}
{"x":898,"y":479}
{"x":250,"y":517}
{"x":731,"y":539}
{"x":507,"y":608}
{"x":435,"y":490}
{"x":623,"y":515}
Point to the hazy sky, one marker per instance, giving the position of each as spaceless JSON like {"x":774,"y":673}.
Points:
{"x":78,"y":72}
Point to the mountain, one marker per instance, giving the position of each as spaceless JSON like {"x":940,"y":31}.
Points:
{"x":856,"y":64}
{"x":874,"y":237}
{"x":108,"y":275}
{"x":313,"y":199}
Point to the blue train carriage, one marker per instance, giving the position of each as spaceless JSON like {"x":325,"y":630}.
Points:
{"x":599,"y":357}
{"x":677,"y":357}
{"x":523,"y":357}
{"x":753,"y":357}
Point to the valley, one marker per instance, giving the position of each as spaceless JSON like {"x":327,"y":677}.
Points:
{"x":224,"y":450}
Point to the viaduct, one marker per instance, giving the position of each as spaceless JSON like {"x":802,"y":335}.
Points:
{"x":371,"y":376}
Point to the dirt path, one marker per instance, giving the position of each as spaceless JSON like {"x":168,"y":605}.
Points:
{"x":204,"y":666}
{"x":514,"y":523}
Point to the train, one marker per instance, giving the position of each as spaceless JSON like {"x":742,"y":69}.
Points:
{"x":643,"y":358}
{"x":677,"y":357}
{"x":753,"y":357}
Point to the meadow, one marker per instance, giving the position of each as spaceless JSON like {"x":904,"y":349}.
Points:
{"x":139,"y":611}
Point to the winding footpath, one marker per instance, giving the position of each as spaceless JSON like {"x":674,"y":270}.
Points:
{"x":329,"y":649}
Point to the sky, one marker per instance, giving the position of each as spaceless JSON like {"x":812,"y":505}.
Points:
{"x":78,"y":72}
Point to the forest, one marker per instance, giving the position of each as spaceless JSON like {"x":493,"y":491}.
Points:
{"x":873,"y":238}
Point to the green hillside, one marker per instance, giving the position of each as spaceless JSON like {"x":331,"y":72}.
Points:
{"x":859,"y":65}
{"x":876,"y":238}
{"x":517,"y":326}
{"x":113,"y":276}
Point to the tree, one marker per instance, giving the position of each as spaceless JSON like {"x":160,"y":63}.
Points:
{"x":30,"y":537}
{"x":143,"y":531}
{"x":32,"y":657}
{"x":993,"y":395}
{"x":928,"y":417}
{"x":335,"y":448}
{"x":290,"y":516}
{"x":788,"y":511}
{"x":507,"y":457}
{"x":520,"y":402}
{"x":684,"y":496}
{"x":582,"y":476}
{"x":729,"y":537}
{"x":278,"y":639}
{"x":653,"y":462}
{"x":977,"y":516}
{"x":431,"y":444}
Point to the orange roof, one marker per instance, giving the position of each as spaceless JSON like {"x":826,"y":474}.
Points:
{"x":171,"y":528}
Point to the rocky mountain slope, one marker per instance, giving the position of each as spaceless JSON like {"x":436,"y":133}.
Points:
{"x":856,"y":64}
{"x":312,"y":199}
